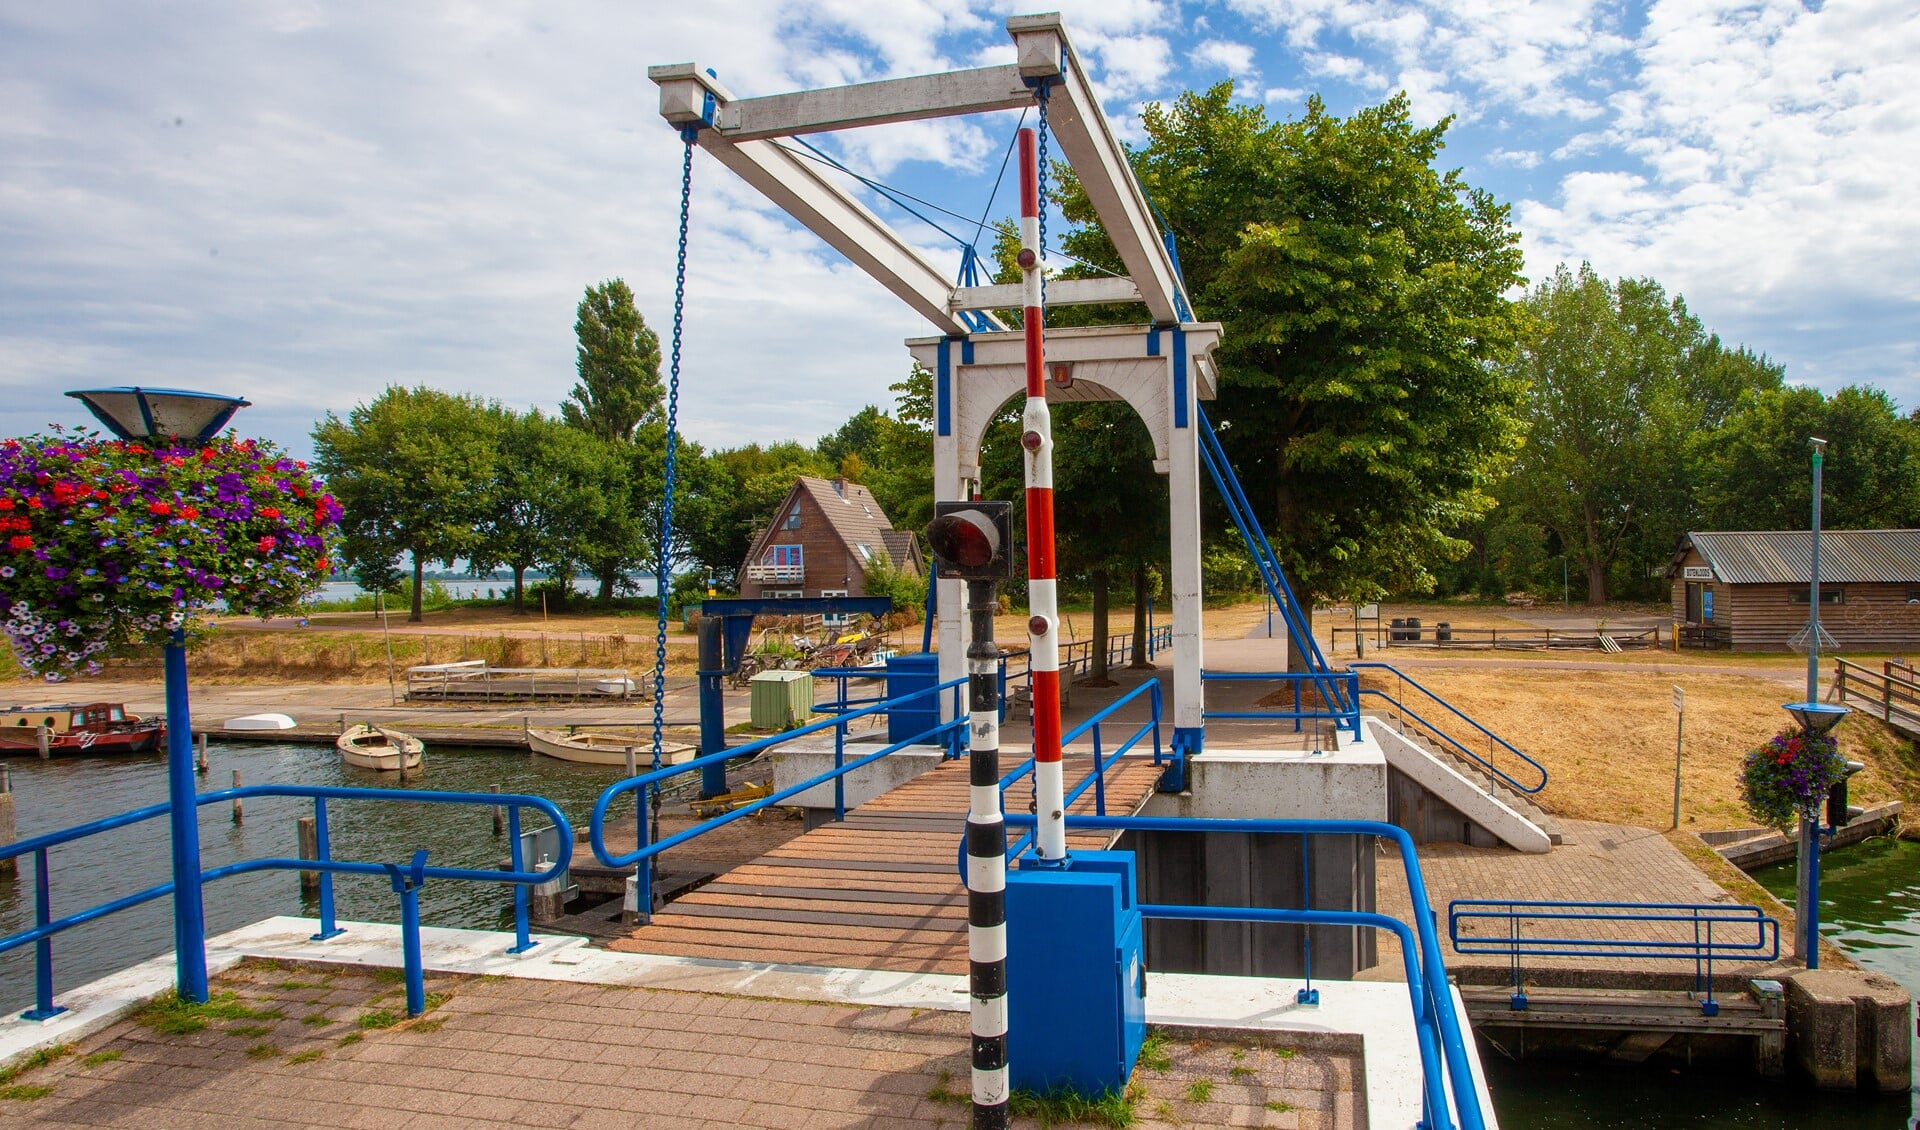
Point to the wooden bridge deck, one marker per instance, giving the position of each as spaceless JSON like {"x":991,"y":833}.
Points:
{"x":880,"y":890}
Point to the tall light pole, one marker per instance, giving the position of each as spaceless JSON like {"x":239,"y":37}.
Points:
{"x":157,"y":415}
{"x":1816,"y":718}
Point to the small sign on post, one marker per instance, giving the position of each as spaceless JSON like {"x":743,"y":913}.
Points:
{"x":1679,"y":733}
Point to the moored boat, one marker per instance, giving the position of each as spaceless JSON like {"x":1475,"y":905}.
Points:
{"x":78,"y":728}
{"x":378,"y":747}
{"x":589,"y":748}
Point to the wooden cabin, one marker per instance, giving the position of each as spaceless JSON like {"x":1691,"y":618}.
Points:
{"x":823,"y":538}
{"x":1748,"y":590}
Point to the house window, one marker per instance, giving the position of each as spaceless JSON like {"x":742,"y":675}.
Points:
{"x":786,"y":555}
{"x":835,"y":619}
{"x":784,"y":594}
{"x":1828,"y":595}
{"x":866,"y":554}
{"x":793,"y":519}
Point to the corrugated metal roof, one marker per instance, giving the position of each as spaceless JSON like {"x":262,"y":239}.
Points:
{"x":1847,"y":557}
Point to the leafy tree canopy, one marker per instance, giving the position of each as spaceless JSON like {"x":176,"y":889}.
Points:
{"x":618,"y":359}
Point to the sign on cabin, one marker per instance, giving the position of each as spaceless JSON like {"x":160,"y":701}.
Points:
{"x":1699,"y":573}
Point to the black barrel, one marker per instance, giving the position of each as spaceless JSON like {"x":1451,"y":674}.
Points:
{"x":1443,"y":632}
{"x":1413,"y":627}
{"x":1397,"y":630}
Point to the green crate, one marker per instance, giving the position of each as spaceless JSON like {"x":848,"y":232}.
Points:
{"x":780,"y":699}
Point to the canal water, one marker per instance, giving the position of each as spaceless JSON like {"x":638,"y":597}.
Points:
{"x":1869,"y":906}
{"x":66,"y":791}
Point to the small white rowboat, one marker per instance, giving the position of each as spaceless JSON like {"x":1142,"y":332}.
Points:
{"x":589,"y":748}
{"x":375,"y":747}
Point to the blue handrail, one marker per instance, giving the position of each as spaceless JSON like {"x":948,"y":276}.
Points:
{"x":1698,"y":918}
{"x":1436,"y":1021}
{"x":950,"y":732}
{"x":406,"y":880}
{"x":1442,"y":735}
{"x":1096,"y":776}
{"x":1343,"y":710}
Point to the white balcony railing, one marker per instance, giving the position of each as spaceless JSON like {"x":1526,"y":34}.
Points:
{"x":791,"y":574}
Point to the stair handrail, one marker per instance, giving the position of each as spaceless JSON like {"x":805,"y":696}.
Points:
{"x":1299,"y":632}
{"x":1483,"y":762}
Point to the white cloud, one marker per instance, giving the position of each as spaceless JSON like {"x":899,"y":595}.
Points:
{"x":1519,"y":158}
{"x":1234,"y":59}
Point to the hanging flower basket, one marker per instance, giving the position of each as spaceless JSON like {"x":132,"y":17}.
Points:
{"x":107,"y":545}
{"x":1789,"y":777}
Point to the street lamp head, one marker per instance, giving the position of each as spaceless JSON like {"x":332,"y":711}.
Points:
{"x":160,"y":413}
{"x":1816,"y":718}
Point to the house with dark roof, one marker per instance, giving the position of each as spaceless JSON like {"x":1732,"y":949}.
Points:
{"x":823,"y":538}
{"x":1749,"y":589}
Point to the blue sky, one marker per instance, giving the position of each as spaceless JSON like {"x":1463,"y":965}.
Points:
{"x":304,"y":202}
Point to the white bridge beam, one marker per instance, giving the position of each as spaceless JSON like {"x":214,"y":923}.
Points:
{"x":740,"y":134}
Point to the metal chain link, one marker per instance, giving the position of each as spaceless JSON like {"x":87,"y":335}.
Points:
{"x":664,"y":544}
{"x":1041,"y":161}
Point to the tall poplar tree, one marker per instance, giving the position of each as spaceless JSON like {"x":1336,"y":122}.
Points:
{"x":618,"y":360}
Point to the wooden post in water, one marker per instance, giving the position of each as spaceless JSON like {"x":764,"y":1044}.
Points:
{"x":238,"y":816}
{"x":8,"y":867}
{"x":499,"y":815}
{"x":43,"y":738}
{"x":200,"y":760}
{"x":309,"y":833}
{"x":632,"y":770}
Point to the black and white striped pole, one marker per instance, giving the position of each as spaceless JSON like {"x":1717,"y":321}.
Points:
{"x":973,"y":541}
{"x":986,"y":864}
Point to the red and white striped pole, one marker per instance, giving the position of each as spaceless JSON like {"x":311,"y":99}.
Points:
{"x":1043,"y":622}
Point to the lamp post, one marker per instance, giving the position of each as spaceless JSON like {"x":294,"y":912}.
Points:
{"x":1815,"y":719}
{"x":157,"y":414}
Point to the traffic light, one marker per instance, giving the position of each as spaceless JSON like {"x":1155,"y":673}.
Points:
{"x":972,"y":541}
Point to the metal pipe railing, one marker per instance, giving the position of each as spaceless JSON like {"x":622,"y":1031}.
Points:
{"x":46,"y":926}
{"x":1345,"y":715}
{"x":1699,"y":918}
{"x":953,"y":732}
{"x":1432,"y":728}
{"x":1096,"y":776}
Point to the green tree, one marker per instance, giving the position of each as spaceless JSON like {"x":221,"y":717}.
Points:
{"x":618,"y":359}
{"x":413,"y":470}
{"x":1756,"y":472}
{"x":547,"y":502}
{"x":1619,"y":377}
{"x":1363,"y":297}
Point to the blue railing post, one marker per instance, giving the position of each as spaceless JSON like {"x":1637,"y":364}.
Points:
{"x":323,"y":844}
{"x":407,"y":883}
{"x":1099,"y":777}
{"x":189,"y":911}
{"x":839,"y":763}
{"x":522,"y":934}
{"x":1308,"y":994}
{"x":43,"y":1008}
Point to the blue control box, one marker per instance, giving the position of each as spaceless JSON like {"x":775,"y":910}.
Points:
{"x":1076,"y":974}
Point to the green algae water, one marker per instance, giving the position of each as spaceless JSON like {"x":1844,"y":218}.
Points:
{"x":62,"y":792}
{"x":1869,"y":906}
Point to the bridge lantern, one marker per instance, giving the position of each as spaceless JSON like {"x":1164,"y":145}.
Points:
{"x":972,"y":541}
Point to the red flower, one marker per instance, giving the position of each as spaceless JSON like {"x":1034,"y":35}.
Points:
{"x":162,"y":508}
{"x":189,"y":512}
{"x":20,"y":543}
{"x":6,"y":503}
{"x":206,"y":455}
{"x":101,"y":495}
{"x":269,"y":512}
{"x":34,"y":503}
{"x":322,"y":564}
{"x":267,"y":544}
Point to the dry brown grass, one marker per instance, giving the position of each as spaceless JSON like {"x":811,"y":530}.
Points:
{"x":1607,"y":740}
{"x":479,"y":620}
{"x":231,"y":657}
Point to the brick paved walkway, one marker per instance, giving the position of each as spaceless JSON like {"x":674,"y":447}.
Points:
{"x":326,"y":1046}
{"x":1599,"y":863}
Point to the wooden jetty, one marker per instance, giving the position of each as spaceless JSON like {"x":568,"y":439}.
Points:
{"x":880,"y":890}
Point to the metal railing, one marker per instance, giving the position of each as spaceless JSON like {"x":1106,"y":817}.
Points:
{"x":407,"y":878}
{"x":1405,"y":713}
{"x":1096,"y":776}
{"x":949,"y":733}
{"x":1339,"y":691}
{"x":1745,"y":934}
{"x":1450,"y":1094}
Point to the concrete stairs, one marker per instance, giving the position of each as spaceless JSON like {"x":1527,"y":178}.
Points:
{"x":1508,"y":814}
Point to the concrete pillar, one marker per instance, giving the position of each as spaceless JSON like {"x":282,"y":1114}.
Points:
{"x":1848,"y":1029}
{"x":1183,"y":498}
